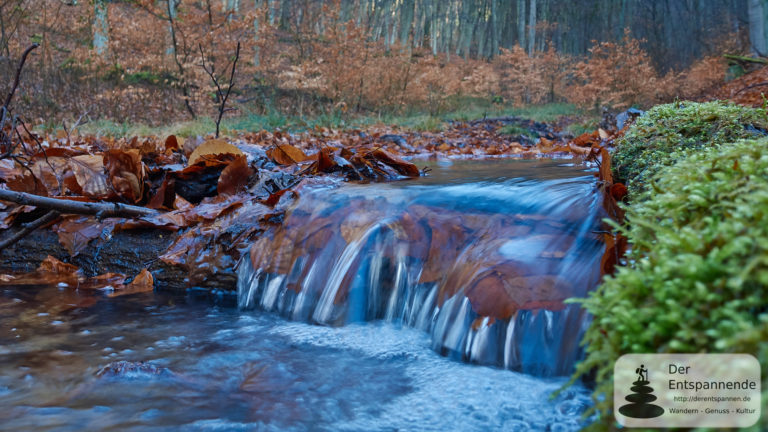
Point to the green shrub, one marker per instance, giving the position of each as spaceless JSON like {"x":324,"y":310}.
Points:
{"x":667,"y":132}
{"x":698,"y":275}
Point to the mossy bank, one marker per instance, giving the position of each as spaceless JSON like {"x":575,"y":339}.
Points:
{"x":697,"y":281}
{"x":668,"y":133}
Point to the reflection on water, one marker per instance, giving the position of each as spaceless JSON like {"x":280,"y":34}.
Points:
{"x":217,"y":369}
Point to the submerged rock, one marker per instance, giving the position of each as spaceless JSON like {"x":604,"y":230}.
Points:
{"x":132,"y":370}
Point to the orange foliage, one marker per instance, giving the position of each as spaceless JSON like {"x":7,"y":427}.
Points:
{"x":536,"y":79}
{"x":703,"y":75}
{"x":616,"y":75}
{"x":320,"y":64}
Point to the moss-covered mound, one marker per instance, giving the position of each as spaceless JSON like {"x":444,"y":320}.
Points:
{"x":698,"y":279}
{"x":667,"y":133}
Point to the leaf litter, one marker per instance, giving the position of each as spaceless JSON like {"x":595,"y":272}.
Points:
{"x":219,"y":196}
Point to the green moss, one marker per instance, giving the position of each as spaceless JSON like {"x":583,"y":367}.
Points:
{"x":667,"y":133}
{"x":517,"y":130}
{"x":698,"y":279}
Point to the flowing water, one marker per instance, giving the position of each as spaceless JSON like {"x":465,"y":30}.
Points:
{"x":480,"y":255}
{"x":396,"y":282}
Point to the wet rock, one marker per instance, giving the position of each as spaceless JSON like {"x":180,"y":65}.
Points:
{"x":256,"y":155}
{"x":628,"y":115}
{"x":394,"y":138}
{"x":132,"y":370}
{"x":272,"y":181}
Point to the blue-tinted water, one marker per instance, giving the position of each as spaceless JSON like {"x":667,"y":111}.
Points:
{"x":215,"y":368}
{"x":194,"y":366}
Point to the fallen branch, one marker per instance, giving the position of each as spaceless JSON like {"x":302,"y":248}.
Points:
{"x":749,"y":87}
{"x":29,"y":227}
{"x":745,"y":59}
{"x":101,"y":210}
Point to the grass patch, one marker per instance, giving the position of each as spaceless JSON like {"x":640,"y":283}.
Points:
{"x":698,"y":279}
{"x":581,"y":127}
{"x":419,"y":121}
{"x":474,"y":108}
{"x":517,"y":130}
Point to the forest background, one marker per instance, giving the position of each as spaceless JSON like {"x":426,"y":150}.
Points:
{"x":139,"y":61}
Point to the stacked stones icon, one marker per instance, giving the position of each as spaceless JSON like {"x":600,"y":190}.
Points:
{"x":640,"y":405}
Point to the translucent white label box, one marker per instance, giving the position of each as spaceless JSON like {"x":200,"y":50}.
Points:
{"x":687,"y":390}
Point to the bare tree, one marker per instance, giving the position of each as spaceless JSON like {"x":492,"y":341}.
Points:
{"x":222,"y":94}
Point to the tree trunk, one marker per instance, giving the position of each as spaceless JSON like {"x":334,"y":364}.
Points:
{"x":101,"y":27}
{"x":406,"y":21}
{"x":171,"y":51}
{"x":521,"y":23}
{"x":532,"y":28}
{"x":757,"y":27}
{"x":257,"y":9}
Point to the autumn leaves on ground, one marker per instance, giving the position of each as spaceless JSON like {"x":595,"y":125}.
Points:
{"x":203,"y":201}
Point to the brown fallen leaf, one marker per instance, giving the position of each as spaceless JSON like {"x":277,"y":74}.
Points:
{"x":76,"y":232}
{"x":325,"y":161}
{"x":181,"y":204}
{"x":27,"y":183}
{"x":234,"y":177}
{"x":126,"y":173}
{"x":53,"y":265}
{"x":399,"y":165}
{"x":213,"y":147}
{"x":172,"y":143}
{"x":164,"y":196}
{"x":286,"y":154}
{"x":605,"y":166}
{"x":587,"y":139}
{"x":90,"y":176}
{"x":143,"y":282}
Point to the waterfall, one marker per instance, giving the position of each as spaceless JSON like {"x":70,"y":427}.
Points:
{"x":482,"y":266}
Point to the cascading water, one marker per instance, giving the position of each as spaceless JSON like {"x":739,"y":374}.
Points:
{"x":481,"y":255}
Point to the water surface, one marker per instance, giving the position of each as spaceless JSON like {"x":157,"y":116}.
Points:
{"x":196,"y":366}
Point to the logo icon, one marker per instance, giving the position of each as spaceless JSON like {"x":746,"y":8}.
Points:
{"x":640,"y":405}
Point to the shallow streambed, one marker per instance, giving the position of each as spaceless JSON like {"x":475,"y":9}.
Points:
{"x":216,"y":368}
{"x":219,"y":369}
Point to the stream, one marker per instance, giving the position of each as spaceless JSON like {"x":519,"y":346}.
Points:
{"x":430,"y":304}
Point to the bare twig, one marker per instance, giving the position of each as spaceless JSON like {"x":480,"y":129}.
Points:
{"x":749,"y":87}
{"x":74,"y":126}
{"x":222,"y":95}
{"x":29,"y":227}
{"x":7,"y":146}
{"x":77,"y":207}
{"x":15,"y":85}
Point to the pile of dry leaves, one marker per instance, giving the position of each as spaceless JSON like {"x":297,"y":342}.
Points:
{"x":211,"y":198}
